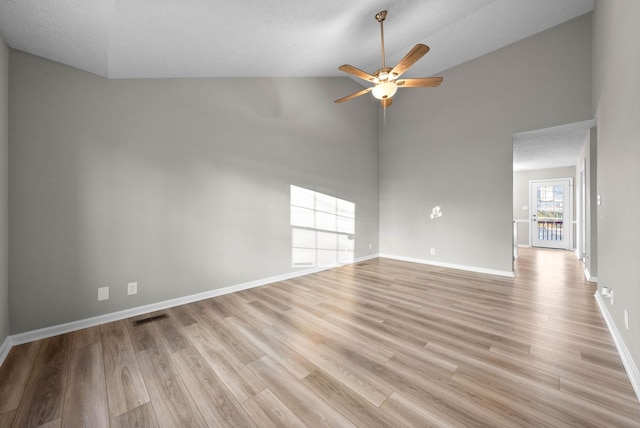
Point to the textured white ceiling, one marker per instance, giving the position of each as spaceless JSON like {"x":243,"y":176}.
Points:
{"x":248,"y":38}
{"x":555,"y":147}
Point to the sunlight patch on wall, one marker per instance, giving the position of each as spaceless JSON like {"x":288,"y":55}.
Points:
{"x":436,"y":212}
{"x":322,"y":229}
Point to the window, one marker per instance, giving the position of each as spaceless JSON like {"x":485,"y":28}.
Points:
{"x":322,"y":229}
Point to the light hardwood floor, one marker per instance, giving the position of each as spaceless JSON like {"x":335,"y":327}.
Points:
{"x":380,"y":343}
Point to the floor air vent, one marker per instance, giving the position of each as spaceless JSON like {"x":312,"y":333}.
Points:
{"x":362,"y":264}
{"x":150,"y":319}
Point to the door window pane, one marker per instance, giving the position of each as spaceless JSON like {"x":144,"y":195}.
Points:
{"x":550,"y":213}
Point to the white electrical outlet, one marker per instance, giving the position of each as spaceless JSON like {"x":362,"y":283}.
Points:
{"x":103,"y":293}
{"x":370,"y":246}
{"x":132,"y":288}
{"x":607,"y":292}
{"x":626,"y":319}
{"x":433,"y":251}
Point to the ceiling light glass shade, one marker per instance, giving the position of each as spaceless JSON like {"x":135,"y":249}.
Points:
{"x":384,"y":90}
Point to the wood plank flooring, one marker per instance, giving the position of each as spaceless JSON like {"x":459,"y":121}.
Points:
{"x":382,"y":343}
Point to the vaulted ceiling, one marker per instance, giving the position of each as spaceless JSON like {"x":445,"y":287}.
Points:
{"x":248,"y":38}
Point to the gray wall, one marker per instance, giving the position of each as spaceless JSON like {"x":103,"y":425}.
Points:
{"x":521,"y":195}
{"x":181,"y":185}
{"x":452,"y":146}
{"x":617,"y":109}
{"x":4,"y":167}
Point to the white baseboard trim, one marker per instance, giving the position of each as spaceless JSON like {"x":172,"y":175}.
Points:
{"x":5,"y":348}
{"x":43,"y":333}
{"x":627,"y":360}
{"x":589,"y":277}
{"x":508,"y":274}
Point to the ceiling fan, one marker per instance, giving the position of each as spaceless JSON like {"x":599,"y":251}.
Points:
{"x":385,"y":79}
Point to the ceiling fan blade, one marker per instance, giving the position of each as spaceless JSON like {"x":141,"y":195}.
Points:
{"x":417,"y":52}
{"x":422,"y":82}
{"x":357,"y":72}
{"x":386,"y":102}
{"x":357,"y":94}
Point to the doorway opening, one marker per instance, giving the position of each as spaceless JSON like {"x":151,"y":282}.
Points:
{"x":551,"y":154}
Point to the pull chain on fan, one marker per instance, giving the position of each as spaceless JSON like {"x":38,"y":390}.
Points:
{"x":385,"y":79}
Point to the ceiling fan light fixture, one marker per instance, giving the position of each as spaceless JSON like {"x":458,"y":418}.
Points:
{"x":384,"y":90}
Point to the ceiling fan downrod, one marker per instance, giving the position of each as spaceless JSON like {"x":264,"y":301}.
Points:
{"x":380,"y":17}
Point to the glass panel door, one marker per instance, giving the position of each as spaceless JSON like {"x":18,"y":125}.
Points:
{"x":551,"y":219}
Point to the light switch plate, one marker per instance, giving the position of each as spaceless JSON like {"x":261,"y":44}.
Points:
{"x":132,"y":288}
{"x":626,"y":319}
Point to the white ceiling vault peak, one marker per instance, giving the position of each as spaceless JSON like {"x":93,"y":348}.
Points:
{"x":279,"y":38}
